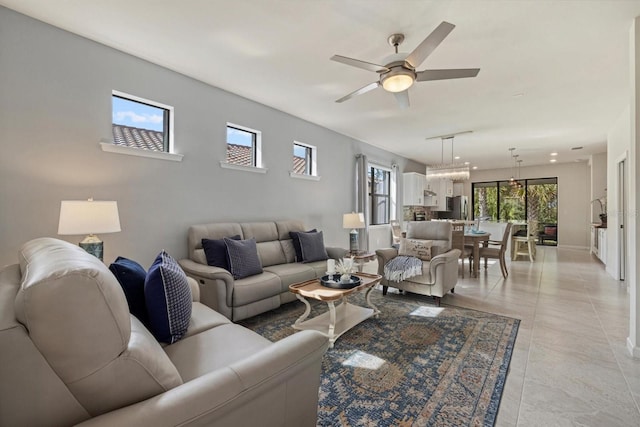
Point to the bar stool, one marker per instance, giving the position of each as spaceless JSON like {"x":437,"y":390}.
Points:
{"x":525,"y":245}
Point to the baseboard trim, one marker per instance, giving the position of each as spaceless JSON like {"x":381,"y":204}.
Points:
{"x":581,"y":248}
{"x":633,"y":351}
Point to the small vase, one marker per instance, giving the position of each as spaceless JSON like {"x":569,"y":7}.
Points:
{"x":345,"y":278}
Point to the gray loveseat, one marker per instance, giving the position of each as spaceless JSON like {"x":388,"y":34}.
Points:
{"x":247,"y":297}
{"x":71,"y":353}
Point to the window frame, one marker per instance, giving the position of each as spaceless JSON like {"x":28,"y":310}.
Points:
{"x":168,"y":153}
{"x":311,"y":164}
{"x":502,"y":183}
{"x":373,"y":197}
{"x":256,"y":150}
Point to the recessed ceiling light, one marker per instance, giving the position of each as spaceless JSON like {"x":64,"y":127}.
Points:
{"x":467,"y":163}
{"x":457,"y":157}
{"x":553,"y":160}
{"x":576,"y":148}
{"x":518,"y":95}
{"x":474,"y":168}
{"x":554,"y":154}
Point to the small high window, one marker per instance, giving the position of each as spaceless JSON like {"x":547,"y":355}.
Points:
{"x":304,"y":159}
{"x":243,"y":146}
{"x":141,"y":123}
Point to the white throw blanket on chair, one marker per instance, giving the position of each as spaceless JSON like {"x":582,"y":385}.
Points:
{"x":402,"y":267}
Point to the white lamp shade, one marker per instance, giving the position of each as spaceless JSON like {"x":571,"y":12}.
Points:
{"x":88,"y":217}
{"x":353,"y":220}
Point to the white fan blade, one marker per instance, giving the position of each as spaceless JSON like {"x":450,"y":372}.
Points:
{"x":360,"y":64}
{"x":460,"y":73}
{"x":402,"y":98}
{"x":429,"y":44}
{"x":365,"y":89}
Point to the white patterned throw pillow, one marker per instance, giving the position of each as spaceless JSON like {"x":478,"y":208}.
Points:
{"x":416,"y":248}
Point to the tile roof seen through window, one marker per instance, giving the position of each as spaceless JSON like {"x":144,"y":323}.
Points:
{"x":242,"y":155}
{"x":137,"y":137}
{"x":153,"y":140}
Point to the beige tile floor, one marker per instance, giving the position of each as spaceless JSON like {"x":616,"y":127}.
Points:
{"x":569,"y":366}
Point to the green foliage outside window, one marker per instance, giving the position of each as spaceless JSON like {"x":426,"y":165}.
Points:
{"x":537,"y":200}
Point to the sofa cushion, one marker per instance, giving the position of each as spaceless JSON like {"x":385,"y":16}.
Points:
{"x":295,"y":239}
{"x":255,"y":288}
{"x":168,"y":298}
{"x":243,"y":258}
{"x":203,"y":318}
{"x":201,"y":353}
{"x":131,"y":277}
{"x":216,"y":252}
{"x":416,"y":248}
{"x":293,"y":273}
{"x":312,"y":247}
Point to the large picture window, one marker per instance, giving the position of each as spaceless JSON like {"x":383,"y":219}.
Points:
{"x":379,"y":195}
{"x":523,"y":200}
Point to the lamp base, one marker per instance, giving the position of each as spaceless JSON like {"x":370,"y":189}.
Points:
{"x":93,"y":245}
{"x":353,"y":241}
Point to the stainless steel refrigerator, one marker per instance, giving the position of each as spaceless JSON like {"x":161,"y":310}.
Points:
{"x":458,"y":209}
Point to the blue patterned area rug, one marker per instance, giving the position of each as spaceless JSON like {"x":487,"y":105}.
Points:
{"x":415,"y":365}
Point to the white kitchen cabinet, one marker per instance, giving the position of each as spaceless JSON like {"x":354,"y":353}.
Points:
{"x":599,"y":243}
{"x":443,"y":189}
{"x":413,"y":189}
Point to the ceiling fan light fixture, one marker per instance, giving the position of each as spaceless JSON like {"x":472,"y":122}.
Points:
{"x":398,"y":80}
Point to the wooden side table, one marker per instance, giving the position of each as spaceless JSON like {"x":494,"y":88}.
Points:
{"x":361,"y":258}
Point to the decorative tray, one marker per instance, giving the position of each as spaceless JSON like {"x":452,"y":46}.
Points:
{"x":333,"y":281}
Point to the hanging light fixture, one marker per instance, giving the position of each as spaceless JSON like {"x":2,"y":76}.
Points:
{"x":452,"y":171}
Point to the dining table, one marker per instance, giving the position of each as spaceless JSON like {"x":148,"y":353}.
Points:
{"x":476,"y":237}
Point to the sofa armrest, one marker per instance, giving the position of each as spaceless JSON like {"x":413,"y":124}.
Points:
{"x":336,"y":253}
{"x":195,"y":289}
{"x":450,"y":256}
{"x":277,"y":386}
{"x":384,"y":256}
{"x":215,"y":283}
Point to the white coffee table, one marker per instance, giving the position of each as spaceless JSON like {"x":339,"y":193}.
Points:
{"x":339,"y":319}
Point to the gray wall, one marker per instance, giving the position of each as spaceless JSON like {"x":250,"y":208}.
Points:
{"x":55,"y":107}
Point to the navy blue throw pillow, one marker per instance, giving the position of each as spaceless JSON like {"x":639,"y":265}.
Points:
{"x":295,"y":239}
{"x":243,"y":257}
{"x":131,"y":277}
{"x":168,"y":297}
{"x":312,"y":246}
{"x":216,"y":252}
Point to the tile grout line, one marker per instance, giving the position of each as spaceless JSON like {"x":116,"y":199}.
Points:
{"x":533,"y":317}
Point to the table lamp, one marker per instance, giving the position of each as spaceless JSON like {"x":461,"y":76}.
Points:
{"x":353,"y":221}
{"x":89,"y":217}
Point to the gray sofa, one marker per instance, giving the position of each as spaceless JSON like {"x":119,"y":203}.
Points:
{"x":247,"y":297}
{"x":440,"y":274}
{"x":72,"y":354}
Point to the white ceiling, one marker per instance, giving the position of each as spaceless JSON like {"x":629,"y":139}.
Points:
{"x":554,"y":74}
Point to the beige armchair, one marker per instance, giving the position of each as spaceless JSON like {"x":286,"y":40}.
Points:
{"x":440,"y":274}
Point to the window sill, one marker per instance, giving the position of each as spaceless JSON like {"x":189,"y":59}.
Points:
{"x":304,"y":176}
{"x":110,"y":147}
{"x":226,"y":165}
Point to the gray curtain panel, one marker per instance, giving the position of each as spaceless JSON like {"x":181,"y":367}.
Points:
{"x":362,"y":195}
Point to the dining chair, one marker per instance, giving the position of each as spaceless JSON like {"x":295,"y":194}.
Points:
{"x":457,"y":242}
{"x":396,"y":230}
{"x":496,"y":249}
{"x":525,"y":245}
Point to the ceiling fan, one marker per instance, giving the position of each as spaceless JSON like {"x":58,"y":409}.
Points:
{"x":400,"y":73}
